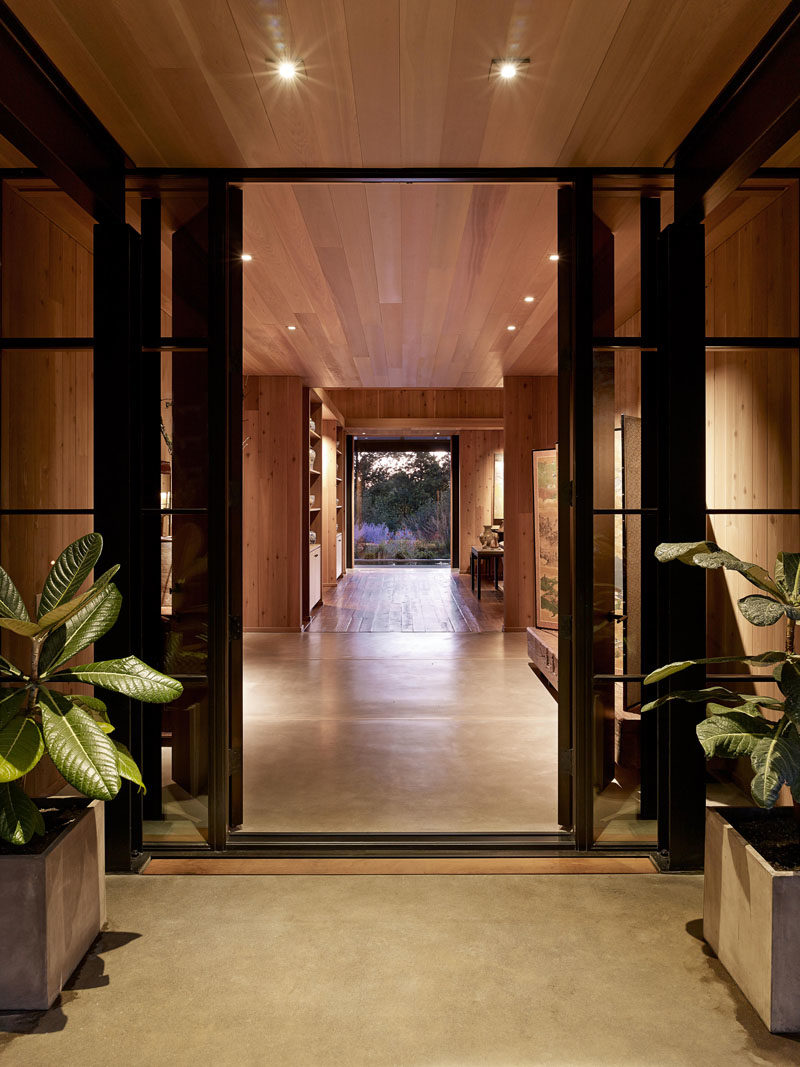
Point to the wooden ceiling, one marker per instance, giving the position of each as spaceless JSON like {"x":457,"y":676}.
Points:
{"x":400,"y":285}
{"x":397,"y":82}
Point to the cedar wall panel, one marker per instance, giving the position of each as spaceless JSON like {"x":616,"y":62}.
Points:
{"x":477,"y":452}
{"x":46,"y":440}
{"x":273,"y":503}
{"x":752,"y":412}
{"x":46,"y":428}
{"x":531,"y":421}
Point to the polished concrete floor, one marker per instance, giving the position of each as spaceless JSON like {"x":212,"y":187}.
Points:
{"x":427,"y":971}
{"x":398,"y":732}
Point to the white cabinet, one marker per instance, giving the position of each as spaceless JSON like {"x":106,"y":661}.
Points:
{"x":339,"y":560}
{"x":314,"y":576}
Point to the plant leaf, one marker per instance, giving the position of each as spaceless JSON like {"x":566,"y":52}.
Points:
{"x":699,"y":696}
{"x":753,"y":709}
{"x":753,"y":573}
{"x":685,"y":551}
{"x":69,"y":572}
{"x":731,"y":734}
{"x":673,"y":668}
{"x":80,"y":750}
{"x":787,"y":675}
{"x":59,"y":615}
{"x":775,"y":760}
{"x":129,"y":676}
{"x":87,"y":625}
{"x":787,"y":575}
{"x":126,"y":765}
{"x":87,"y":703}
{"x":11,"y":704}
{"x":96,"y":708}
{"x":761,"y":610}
{"x":11,"y":603}
{"x":18,"y":626}
{"x":6,"y":667}
{"x":20,"y":819}
{"x":21,"y":748}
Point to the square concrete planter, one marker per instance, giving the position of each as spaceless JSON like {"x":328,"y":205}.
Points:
{"x":53,"y":907}
{"x":751,"y":918}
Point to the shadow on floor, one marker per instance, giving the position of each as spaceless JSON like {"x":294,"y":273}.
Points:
{"x":760,"y":1039}
{"x":89,"y":974}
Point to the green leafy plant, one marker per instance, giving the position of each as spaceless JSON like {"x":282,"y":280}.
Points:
{"x":73,"y":729}
{"x":736,"y":724}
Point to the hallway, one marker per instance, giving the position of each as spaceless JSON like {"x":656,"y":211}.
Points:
{"x":396,"y":733}
{"x":407,"y":599}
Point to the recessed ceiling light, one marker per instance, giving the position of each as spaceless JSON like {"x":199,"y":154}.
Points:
{"x":246,"y":257}
{"x":291,"y":327}
{"x":528,"y":299}
{"x":511,"y":327}
{"x":553,"y":257}
{"x":507,"y":68}
{"x":288,"y":69}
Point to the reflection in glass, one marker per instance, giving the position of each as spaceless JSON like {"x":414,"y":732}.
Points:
{"x":176,"y":770}
{"x":625,"y":769}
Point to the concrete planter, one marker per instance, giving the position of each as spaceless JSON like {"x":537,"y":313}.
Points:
{"x":751,"y":918}
{"x":53,"y":907}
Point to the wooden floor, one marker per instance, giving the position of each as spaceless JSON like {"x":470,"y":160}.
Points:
{"x":398,"y":599}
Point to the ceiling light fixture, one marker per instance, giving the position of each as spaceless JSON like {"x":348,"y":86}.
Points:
{"x":246,"y":257}
{"x":288,"y":69}
{"x":291,"y":327}
{"x":511,"y":327}
{"x":528,"y":299}
{"x":507,"y":68}
{"x":553,"y":257}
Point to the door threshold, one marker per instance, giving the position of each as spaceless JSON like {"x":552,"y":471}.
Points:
{"x":238,"y":865}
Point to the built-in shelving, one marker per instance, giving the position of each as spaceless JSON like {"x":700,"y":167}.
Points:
{"x":314,"y":529}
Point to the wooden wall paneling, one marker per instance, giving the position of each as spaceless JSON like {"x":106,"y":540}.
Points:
{"x":477,"y":452}
{"x":274,"y":498}
{"x":46,"y":405}
{"x":530,"y":421}
{"x":359,"y":405}
{"x":752,"y":403}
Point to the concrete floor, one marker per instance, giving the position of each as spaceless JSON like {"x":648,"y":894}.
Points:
{"x":402,"y":972}
{"x":396,"y":732}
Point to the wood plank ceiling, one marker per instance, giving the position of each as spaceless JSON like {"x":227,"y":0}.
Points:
{"x":397,"y":82}
{"x":398,"y":285}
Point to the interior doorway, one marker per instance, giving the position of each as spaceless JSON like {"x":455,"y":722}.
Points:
{"x":389,"y":691}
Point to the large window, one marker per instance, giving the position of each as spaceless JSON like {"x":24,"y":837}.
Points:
{"x":402,"y":504}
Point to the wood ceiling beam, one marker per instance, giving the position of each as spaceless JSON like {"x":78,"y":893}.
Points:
{"x":42,"y":116}
{"x":753,"y":116}
{"x":421,"y":425}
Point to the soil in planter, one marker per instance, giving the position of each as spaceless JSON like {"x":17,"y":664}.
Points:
{"x":56,"y":820}
{"x":775,"y":835}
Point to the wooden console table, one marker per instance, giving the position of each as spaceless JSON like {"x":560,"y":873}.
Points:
{"x":475,"y":557}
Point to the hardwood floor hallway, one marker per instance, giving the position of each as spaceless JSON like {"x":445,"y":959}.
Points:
{"x":407,"y":599}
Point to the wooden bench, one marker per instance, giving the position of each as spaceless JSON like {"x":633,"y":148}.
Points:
{"x":543,"y":655}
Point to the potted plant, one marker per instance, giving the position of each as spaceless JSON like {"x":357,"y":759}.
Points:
{"x":51,"y":853}
{"x":751,"y":899}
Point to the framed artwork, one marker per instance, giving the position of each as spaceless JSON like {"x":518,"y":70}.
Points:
{"x":545,"y":536}
{"x":497,"y":488}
